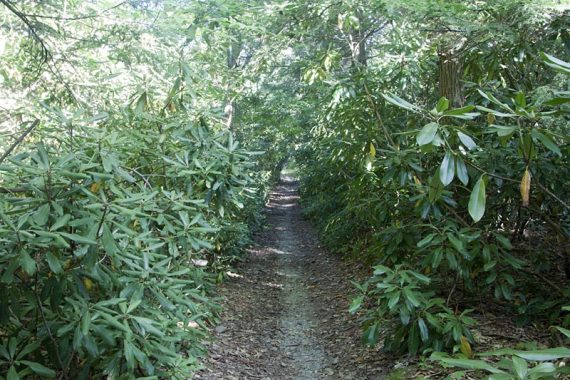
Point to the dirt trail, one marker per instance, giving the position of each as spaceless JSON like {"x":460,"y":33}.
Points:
{"x":285,"y":311}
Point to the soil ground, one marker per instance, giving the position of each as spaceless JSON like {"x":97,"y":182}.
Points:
{"x":285,"y":309}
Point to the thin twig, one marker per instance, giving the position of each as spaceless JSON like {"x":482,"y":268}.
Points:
{"x":491,"y":174}
{"x":95,"y":15}
{"x":4,"y":190}
{"x":19,"y":140}
{"x":546,"y":280}
{"x":379,"y":117}
{"x":543,"y":188}
{"x":27,"y":22}
{"x":57,"y":355}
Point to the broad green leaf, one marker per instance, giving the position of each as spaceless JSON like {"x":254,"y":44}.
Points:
{"x":467,"y":141}
{"x":447,"y":169}
{"x":393,"y":301}
{"x":425,"y":241}
{"x":496,"y":113}
{"x":78,"y":238}
{"x":53,"y":262}
{"x":62,"y":221}
{"x":463,"y":113}
{"x":41,"y":215}
{"x":493,"y":99}
{"x":442,"y":104}
{"x":557,"y":64}
{"x":128,"y":354}
{"x":27,"y":263}
{"x":541,"y":369}
{"x":557,"y":101}
{"x":545,"y":354}
{"x":503,"y":130}
{"x":40,"y":369}
{"x":355,"y":305}
{"x":520,"y":99}
{"x":461,"y":170}
{"x":12,"y":374}
{"x":149,"y":327}
{"x":370,"y":335}
{"x":397,"y":101}
{"x":427,"y":134}
{"x":477,"y":200}
{"x":412,"y":297}
{"x":108,"y":241}
{"x":464,"y":363}
{"x":520,"y":366}
{"x":424,"y":332}
{"x":533,"y":355}
{"x":455,"y":242}
{"x":546,"y":141}
{"x":459,"y":111}
{"x":421,"y":277}
{"x":564,"y":331}
{"x":85,"y":322}
{"x":114,"y":322}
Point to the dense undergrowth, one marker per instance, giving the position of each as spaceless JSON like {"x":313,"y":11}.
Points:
{"x":455,"y":195}
{"x":122,"y":206}
{"x":101,"y":238}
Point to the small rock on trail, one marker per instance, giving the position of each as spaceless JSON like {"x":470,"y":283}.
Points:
{"x":285,"y":312}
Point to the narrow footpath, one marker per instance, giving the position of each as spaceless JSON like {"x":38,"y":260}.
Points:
{"x":285,"y":309}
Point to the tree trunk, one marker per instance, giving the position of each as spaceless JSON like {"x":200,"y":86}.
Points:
{"x":233,"y":54}
{"x":450,"y":74}
{"x":358,"y":43}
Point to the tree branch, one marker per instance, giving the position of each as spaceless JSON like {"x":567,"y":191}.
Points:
{"x":20,"y":139}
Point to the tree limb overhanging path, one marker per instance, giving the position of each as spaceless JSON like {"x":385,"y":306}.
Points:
{"x":285,"y":311}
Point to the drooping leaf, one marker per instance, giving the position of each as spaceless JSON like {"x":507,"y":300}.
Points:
{"x":557,"y":64}
{"x":447,"y":169}
{"x":461,"y":170}
{"x":465,"y":347}
{"x":525,"y":188}
{"x":547,"y":142}
{"x":477,"y":200}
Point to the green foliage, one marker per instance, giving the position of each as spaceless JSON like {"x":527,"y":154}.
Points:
{"x":417,"y":321}
{"x":100,"y":246}
{"x":121,"y":209}
{"x":513,"y":364}
{"x":397,"y":172}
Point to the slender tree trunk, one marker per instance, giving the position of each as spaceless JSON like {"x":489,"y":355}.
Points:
{"x":358,"y":43}
{"x":233,"y":53}
{"x":451,"y":74}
